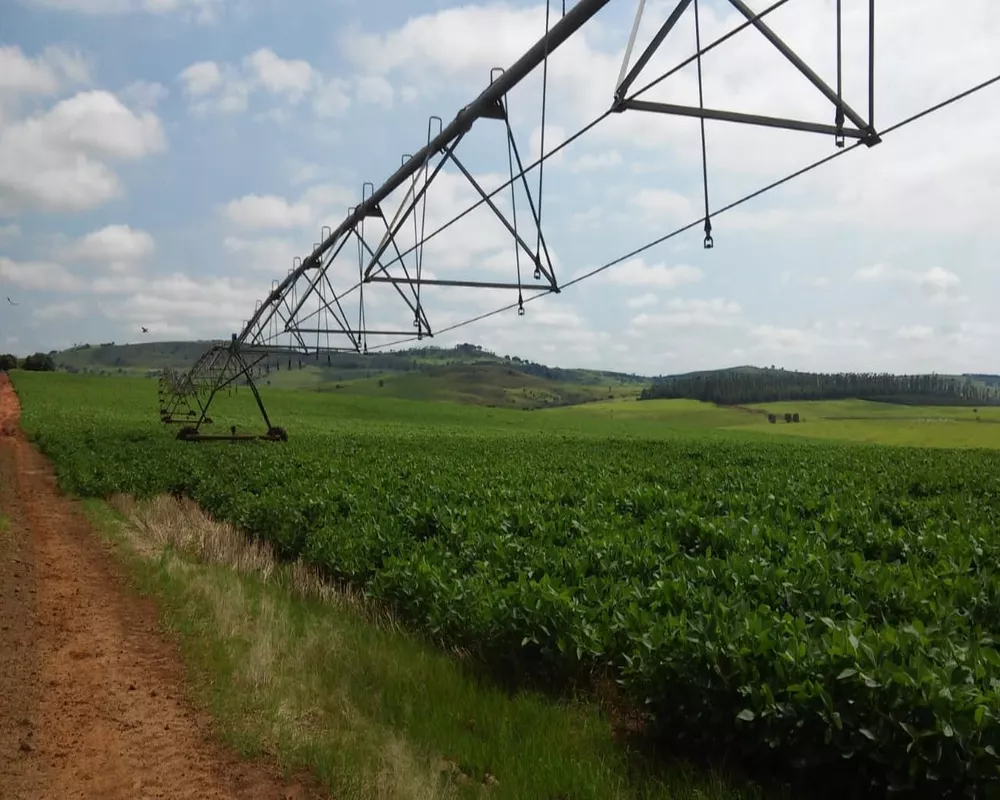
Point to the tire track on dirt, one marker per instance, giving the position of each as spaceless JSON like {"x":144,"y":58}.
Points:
{"x":92,"y":699}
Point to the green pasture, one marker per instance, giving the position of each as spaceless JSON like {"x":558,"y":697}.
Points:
{"x":887,"y":423}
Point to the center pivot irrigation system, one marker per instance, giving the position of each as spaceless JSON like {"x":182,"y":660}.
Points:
{"x":306,"y":313}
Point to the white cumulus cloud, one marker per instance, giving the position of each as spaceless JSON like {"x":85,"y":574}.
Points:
{"x":267,"y":211}
{"x":289,"y":77}
{"x":227,"y":88}
{"x":916,"y":333}
{"x":692,"y":313}
{"x":117,"y":248}
{"x":199,"y":11}
{"x":44,"y":74}
{"x":42,"y":275}
{"x":323,"y":204}
{"x":58,"y":160}
{"x":201,"y":78}
{"x":376,"y":90}
{"x":636,"y":272}
{"x":938,"y":284}
{"x":643,"y":300}
{"x":269,"y":255}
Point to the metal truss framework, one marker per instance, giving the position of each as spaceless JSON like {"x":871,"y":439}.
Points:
{"x":176,"y":391}
{"x":306,"y":313}
{"x":186,"y":398}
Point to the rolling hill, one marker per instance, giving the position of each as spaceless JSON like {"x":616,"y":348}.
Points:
{"x":469,"y":374}
{"x":464,"y":374}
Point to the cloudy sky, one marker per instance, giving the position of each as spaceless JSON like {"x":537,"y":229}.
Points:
{"x":162,"y":161}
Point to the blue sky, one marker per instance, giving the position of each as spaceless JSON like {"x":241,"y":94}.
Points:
{"x":162,"y":161}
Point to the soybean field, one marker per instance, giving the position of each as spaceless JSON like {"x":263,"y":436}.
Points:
{"x":833,"y":607}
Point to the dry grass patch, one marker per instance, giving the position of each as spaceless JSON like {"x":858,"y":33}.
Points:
{"x":277,"y":697}
{"x":166,"y":523}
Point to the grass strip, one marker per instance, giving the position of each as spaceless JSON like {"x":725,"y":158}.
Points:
{"x":321,"y":679}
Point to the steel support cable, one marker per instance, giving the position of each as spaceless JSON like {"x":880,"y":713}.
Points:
{"x":871,"y":63}
{"x":412,"y":191}
{"x":534,"y":214}
{"x":709,"y":243}
{"x":938,"y":106}
{"x":745,"y":199}
{"x":362,"y":339}
{"x":590,"y":126}
{"x":513,"y":202}
{"x":838,"y":119}
{"x":423,"y":228}
{"x":541,"y":148}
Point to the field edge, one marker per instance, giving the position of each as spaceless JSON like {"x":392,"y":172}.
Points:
{"x":224,"y":604}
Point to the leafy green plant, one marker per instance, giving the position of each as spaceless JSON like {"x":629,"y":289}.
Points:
{"x":833,"y":607}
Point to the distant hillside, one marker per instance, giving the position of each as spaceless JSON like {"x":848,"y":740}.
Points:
{"x":495,"y":385}
{"x":740,"y":385}
{"x":110,"y":357}
{"x":468,"y":373}
{"x":465,"y":373}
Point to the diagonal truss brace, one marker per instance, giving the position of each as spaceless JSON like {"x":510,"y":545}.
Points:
{"x":176,"y":391}
{"x":862,"y":129}
{"x":220,"y":368}
{"x":539,"y":257}
{"x":626,"y":81}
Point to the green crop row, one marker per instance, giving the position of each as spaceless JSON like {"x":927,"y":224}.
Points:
{"x":832,"y":607}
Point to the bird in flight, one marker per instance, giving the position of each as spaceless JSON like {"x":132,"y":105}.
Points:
{"x":144,"y":329}
{"x":12,"y":302}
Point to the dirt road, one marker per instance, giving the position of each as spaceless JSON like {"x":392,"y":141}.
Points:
{"x":92,"y":701}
